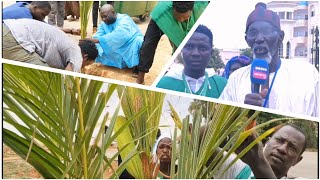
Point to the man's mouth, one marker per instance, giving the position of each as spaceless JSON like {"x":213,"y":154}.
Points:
{"x":277,"y":158}
{"x":165,"y":156}
{"x":260,"y":51}
{"x":196,"y":62}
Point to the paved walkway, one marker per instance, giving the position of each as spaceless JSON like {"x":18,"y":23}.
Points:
{"x":307,"y":167}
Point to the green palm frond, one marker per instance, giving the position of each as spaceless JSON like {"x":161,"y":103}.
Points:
{"x":56,"y":116}
{"x":85,"y":9}
{"x":199,"y":153}
{"x":144,"y":127}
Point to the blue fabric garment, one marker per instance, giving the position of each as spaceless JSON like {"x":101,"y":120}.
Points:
{"x":119,"y":43}
{"x":16,"y":11}
{"x":243,"y":60}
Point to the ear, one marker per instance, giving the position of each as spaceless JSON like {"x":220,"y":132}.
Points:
{"x":85,"y":57}
{"x":299,"y":159}
{"x":245,"y":37}
{"x":281,"y":37}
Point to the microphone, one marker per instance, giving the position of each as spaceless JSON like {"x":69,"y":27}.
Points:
{"x":259,"y":74}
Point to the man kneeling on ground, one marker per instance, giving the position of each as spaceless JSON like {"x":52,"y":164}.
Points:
{"x":35,"y":42}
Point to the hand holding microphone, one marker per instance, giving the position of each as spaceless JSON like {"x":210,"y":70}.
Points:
{"x":258,"y":76}
{"x":256,"y":99}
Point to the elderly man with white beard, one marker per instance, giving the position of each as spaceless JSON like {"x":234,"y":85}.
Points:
{"x":291,"y":85}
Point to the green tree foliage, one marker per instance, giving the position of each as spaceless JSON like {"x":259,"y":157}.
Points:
{"x":206,"y":108}
{"x":247,"y":52}
{"x":310,"y":127}
{"x":216,"y":61}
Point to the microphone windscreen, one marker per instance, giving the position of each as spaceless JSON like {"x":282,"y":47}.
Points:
{"x":259,"y":71}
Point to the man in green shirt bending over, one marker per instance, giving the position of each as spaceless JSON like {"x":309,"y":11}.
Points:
{"x":194,"y":79}
{"x":174,"y":19}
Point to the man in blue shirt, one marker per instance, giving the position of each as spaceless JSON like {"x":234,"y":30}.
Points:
{"x":118,"y":39}
{"x":37,"y":10}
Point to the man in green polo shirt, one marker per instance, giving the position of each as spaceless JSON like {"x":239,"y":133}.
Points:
{"x":194,"y":79}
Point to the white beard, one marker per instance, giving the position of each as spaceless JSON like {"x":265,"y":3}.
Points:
{"x":267,"y":57}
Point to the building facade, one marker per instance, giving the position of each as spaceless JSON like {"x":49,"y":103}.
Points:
{"x":227,"y":54}
{"x":298,"y":21}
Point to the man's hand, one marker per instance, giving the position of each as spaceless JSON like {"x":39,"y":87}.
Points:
{"x":69,"y":67}
{"x":256,"y":159}
{"x":71,"y":31}
{"x":76,"y":32}
{"x":90,"y":39}
{"x":254,"y":153}
{"x":256,"y":99}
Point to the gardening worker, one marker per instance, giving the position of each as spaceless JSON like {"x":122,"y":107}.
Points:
{"x":235,"y":63}
{"x":95,"y":10}
{"x":118,"y":39}
{"x":37,"y":10}
{"x":174,"y":19}
{"x":194,"y":79}
{"x":35,"y":42}
{"x":286,"y":89}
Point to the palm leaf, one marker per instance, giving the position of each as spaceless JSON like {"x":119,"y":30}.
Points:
{"x":195,"y":152}
{"x":85,"y":9}
{"x":144,"y":127}
{"x":59,"y":115}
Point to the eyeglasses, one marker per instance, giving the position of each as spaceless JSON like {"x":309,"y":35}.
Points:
{"x":264,"y":32}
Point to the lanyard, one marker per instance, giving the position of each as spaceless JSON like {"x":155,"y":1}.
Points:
{"x":203,"y":86}
{"x":274,"y":77}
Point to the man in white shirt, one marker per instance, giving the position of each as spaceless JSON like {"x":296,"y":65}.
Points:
{"x":286,"y":89}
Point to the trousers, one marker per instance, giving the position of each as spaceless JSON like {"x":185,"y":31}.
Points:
{"x":56,"y":15}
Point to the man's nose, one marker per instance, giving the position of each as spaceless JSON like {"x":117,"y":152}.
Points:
{"x":166,"y":150}
{"x":283,"y":148}
{"x":259,"y":38}
{"x":195,"y":52}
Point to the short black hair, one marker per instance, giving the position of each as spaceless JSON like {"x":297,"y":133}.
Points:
{"x":205,"y":30}
{"x":42,"y":4}
{"x":89,"y":48}
{"x":298,"y":129}
{"x":182,"y":6}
